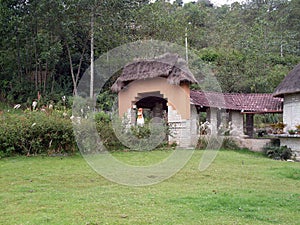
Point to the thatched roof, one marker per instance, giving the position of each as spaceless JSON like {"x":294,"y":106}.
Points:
{"x":290,"y":84}
{"x":169,"y":66}
{"x":246,"y":103}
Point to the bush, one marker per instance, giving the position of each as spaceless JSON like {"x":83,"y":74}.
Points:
{"x":227,"y":143}
{"x":118,"y":134}
{"x":106,"y":132}
{"x":275,"y":151}
{"x":33,"y":133}
{"x":202,"y":142}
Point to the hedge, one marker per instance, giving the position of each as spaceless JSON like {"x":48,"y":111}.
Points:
{"x":31,"y":133}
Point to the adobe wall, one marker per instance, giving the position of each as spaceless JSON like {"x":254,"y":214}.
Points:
{"x":177,"y":96}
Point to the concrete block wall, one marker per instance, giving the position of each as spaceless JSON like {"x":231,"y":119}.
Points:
{"x":180,"y":129}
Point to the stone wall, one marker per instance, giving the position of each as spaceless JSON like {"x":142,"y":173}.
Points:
{"x":252,"y":144}
{"x":180,"y":129}
{"x":293,"y":143}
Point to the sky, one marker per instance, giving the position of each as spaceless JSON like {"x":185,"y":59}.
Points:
{"x":221,"y":2}
{"x":218,"y":2}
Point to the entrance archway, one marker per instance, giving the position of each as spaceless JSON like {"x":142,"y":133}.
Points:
{"x":153,"y":106}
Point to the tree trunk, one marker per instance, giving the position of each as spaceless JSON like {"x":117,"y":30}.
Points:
{"x":75,"y":78}
{"x":36,"y":67}
{"x":18,"y":55}
{"x":53,"y":82}
{"x":72,"y":71}
{"x":45,"y":77}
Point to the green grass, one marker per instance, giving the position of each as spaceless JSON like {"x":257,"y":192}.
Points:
{"x":238,"y":188}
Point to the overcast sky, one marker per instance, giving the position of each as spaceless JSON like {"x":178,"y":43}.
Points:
{"x":222,"y":2}
{"x":218,"y":2}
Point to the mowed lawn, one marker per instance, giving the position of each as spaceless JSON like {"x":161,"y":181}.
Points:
{"x":238,"y":188}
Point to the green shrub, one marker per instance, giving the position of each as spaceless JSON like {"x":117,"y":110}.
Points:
{"x":106,"y":132}
{"x":227,"y":143}
{"x":118,"y":134}
{"x":141,"y":131}
{"x":275,"y":151}
{"x":33,"y":133}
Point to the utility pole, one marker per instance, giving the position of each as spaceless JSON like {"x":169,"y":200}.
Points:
{"x":92,"y":58}
{"x":186,"y":44}
{"x":186,"y":47}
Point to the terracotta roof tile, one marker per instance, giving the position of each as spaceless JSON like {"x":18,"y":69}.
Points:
{"x":248,"y":103}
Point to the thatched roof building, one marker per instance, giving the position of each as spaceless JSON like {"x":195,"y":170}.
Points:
{"x":289,"y":89}
{"x":290,"y":84}
{"x":170,"y":66}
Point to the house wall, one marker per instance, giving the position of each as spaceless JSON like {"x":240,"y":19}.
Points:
{"x":291,"y":117}
{"x":177,"y":96}
{"x":291,"y":111}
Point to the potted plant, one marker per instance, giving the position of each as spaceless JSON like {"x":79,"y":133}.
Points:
{"x":292,"y":132}
{"x":278,"y":127}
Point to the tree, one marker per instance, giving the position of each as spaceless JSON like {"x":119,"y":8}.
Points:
{"x":47,"y":45}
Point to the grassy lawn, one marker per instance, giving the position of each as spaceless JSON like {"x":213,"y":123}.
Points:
{"x":238,"y":188}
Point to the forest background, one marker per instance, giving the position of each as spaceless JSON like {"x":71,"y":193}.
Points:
{"x":45,"y":46}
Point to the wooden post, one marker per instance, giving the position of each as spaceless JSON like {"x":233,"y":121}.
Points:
{"x":249,"y":125}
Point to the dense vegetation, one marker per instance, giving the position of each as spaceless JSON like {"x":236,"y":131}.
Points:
{"x":48,"y":133}
{"x":32,"y":133}
{"x":45,"y":45}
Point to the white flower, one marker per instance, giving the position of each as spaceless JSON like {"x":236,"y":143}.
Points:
{"x":34,"y":104}
{"x":17,"y":106}
{"x":76,"y":120}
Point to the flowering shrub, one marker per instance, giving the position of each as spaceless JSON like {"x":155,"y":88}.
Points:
{"x":51,"y":132}
{"x":33,"y":133}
